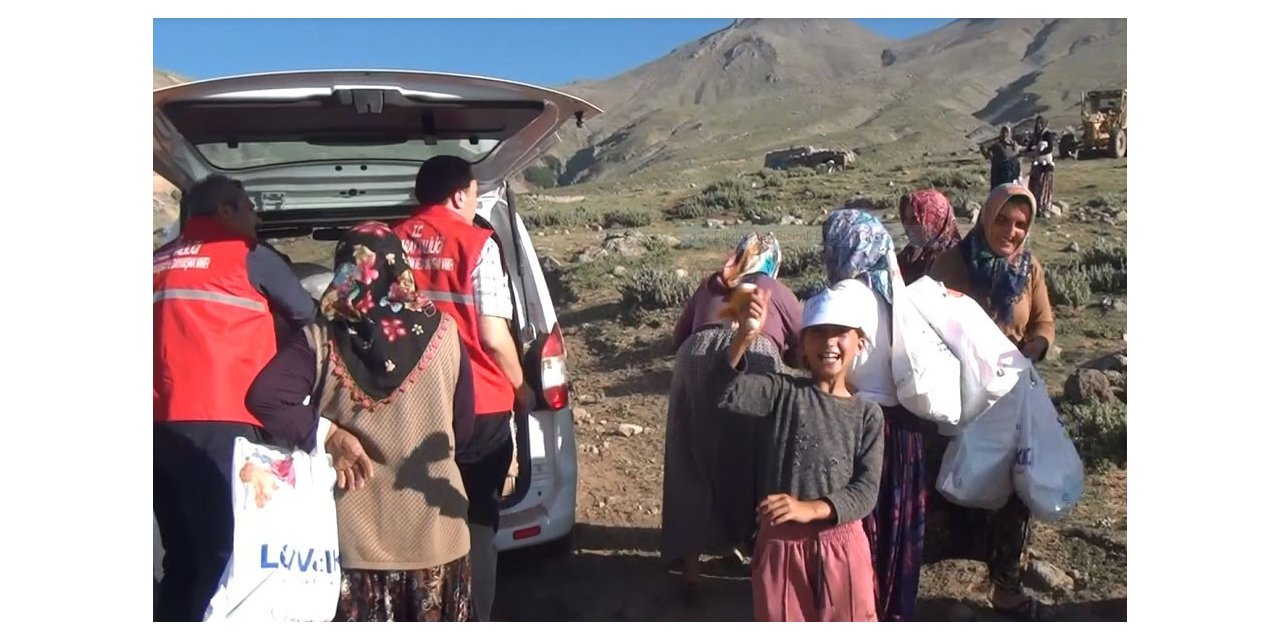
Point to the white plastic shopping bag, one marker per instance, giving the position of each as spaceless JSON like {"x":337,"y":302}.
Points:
{"x":926,"y":373}
{"x":977,"y":467}
{"x":284,"y":562}
{"x":1047,"y":472}
{"x":990,"y":363}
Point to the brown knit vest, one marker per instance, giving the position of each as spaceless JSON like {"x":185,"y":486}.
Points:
{"x":412,"y":513}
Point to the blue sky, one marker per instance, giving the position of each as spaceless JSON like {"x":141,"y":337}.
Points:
{"x":537,"y":51}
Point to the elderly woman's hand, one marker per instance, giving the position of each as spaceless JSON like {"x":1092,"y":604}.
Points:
{"x":349,"y":458}
{"x":1035,"y":348}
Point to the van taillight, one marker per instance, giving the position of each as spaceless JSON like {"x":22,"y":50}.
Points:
{"x":555,"y":378}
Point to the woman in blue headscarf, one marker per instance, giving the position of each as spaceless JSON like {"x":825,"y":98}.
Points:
{"x":858,"y":254}
{"x":708,"y":492}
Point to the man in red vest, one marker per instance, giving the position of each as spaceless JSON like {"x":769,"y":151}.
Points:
{"x":458,"y":264}
{"x":215,"y":294}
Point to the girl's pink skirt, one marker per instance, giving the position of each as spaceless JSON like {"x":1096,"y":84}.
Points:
{"x":813,"y":573}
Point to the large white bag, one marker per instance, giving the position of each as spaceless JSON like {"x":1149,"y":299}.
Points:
{"x":977,"y":467}
{"x":926,"y":373}
{"x":1047,"y":472}
{"x":990,"y":363}
{"x":284,"y":562}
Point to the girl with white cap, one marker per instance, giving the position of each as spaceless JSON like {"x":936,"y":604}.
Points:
{"x":820,"y":454}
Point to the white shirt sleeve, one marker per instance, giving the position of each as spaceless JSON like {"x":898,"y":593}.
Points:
{"x":489,"y":284}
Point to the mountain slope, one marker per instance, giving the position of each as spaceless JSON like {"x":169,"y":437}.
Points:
{"x":759,"y":84}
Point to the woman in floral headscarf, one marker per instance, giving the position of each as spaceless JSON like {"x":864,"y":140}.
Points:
{"x":994,"y":266}
{"x":931,"y":229}
{"x":708,"y":494}
{"x":392,"y":375}
{"x":858,"y":253}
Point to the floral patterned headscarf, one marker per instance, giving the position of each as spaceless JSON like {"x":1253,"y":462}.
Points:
{"x":379,"y":324}
{"x":756,"y":253}
{"x":856,"y":245}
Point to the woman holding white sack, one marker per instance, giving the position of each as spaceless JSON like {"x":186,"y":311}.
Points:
{"x":396,"y":383}
{"x":858,"y":255}
{"x":994,"y":265}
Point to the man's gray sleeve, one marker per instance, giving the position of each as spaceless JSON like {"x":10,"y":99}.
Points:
{"x":289,"y":302}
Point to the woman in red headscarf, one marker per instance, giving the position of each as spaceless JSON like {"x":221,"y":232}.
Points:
{"x":931,"y":229}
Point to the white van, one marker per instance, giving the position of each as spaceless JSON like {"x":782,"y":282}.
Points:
{"x":320,"y":151}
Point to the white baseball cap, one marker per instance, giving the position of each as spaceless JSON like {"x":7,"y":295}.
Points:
{"x":845,"y":305}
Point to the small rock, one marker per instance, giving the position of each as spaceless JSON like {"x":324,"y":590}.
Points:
{"x":596,"y":227}
{"x":600,"y":504}
{"x":681,"y":273}
{"x":581,"y":415}
{"x":542,"y":234}
{"x":593,"y":450}
{"x":1064,"y":207}
{"x":1122,"y":215}
{"x":1055,"y":210}
{"x":1081,"y":578}
{"x":604,"y":445}
{"x":1117,"y":361}
{"x":1047,"y":577}
{"x":713,"y":223}
{"x":1089,"y":384}
{"x":619,"y":271}
{"x":890,"y":183}
{"x":668,"y":241}
{"x":1055,"y":353}
{"x":1074,"y":247}
{"x":629,"y":430}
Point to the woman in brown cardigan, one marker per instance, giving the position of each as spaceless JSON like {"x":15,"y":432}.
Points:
{"x":395,"y":381}
{"x":993,"y":265}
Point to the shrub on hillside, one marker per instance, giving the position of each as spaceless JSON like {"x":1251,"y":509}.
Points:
{"x":1100,"y":431}
{"x":800,"y":261}
{"x":729,"y":195}
{"x":651,"y":289}
{"x":629,"y":218}
{"x":1068,"y":286}
{"x":541,"y":176}
{"x":954,"y":179}
{"x":806,"y":285}
{"x":557,"y":218}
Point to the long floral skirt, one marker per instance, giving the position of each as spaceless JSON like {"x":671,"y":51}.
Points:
{"x":437,"y":594}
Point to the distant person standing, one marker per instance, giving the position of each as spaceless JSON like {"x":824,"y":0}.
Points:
{"x":458,"y":266}
{"x":1041,"y":182}
{"x":1003,"y":153}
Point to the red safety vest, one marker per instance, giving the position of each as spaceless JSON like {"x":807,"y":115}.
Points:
{"x":213,"y":331}
{"x":443,"y":250}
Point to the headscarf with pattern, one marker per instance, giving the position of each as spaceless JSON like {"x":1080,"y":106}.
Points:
{"x":856,"y":245}
{"x":930,"y":224}
{"x":379,"y":324}
{"x":756,"y":253}
{"x":1004,"y":279}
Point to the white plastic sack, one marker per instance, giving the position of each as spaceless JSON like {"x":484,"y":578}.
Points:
{"x":989,"y":363}
{"x":284,"y":562}
{"x":977,"y":468}
{"x":1047,"y":472}
{"x":926,"y":373}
